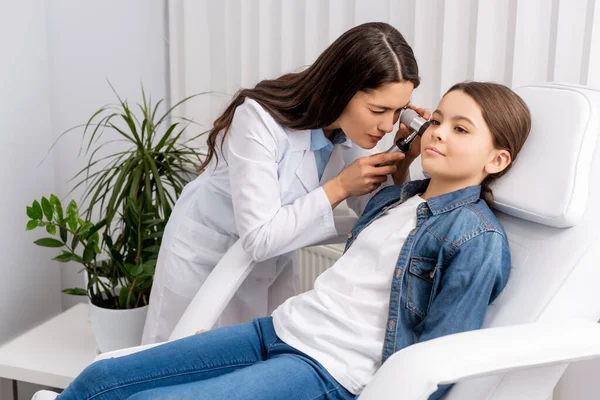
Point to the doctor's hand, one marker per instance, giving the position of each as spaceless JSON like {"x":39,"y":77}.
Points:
{"x":404,"y":131}
{"x":361,"y":177}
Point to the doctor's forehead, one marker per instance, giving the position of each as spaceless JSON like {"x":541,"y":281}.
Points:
{"x":393,"y":96}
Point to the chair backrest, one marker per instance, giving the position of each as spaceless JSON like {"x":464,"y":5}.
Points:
{"x":546,"y":204}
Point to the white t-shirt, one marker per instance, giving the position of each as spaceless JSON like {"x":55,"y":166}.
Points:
{"x":341,"y":322}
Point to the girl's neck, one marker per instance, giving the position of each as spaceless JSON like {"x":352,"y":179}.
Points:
{"x":438,"y":187}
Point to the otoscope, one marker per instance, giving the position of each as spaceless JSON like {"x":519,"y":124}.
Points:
{"x":415,"y":122}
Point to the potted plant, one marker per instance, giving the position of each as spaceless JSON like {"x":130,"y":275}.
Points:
{"x":133,"y":192}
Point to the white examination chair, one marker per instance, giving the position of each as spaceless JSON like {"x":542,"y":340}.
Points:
{"x":546,"y":317}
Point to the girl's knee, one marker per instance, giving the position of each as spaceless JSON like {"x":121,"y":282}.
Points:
{"x":90,"y":382}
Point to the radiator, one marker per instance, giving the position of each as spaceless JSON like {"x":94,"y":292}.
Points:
{"x":314,"y":261}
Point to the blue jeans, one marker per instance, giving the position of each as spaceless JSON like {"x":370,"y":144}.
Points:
{"x":246,"y":361}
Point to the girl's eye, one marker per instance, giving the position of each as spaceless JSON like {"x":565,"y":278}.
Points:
{"x":434,"y":122}
{"x":377,"y":111}
{"x":460,"y":129}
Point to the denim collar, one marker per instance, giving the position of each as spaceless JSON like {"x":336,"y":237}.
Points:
{"x":445,"y":202}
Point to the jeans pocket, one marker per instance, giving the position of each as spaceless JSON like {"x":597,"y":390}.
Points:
{"x":421,"y":274}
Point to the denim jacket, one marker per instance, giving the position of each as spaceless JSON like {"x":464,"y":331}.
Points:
{"x":453,"y":264}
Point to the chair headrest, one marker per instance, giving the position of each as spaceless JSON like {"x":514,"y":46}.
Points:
{"x":549,"y":182}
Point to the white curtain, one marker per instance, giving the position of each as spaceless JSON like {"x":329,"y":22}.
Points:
{"x":220,"y":46}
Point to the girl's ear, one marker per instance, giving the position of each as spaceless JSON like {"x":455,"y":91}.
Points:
{"x":500,"y":159}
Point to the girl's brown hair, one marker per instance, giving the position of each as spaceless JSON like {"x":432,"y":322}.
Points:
{"x":507,"y":117}
{"x":363,"y":58}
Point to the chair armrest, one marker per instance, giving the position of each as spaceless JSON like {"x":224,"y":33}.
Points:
{"x":417,"y":370}
{"x":216,"y":292}
{"x":124,"y":352}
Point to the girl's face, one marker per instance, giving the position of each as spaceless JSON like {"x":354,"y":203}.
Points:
{"x":370,"y":115}
{"x":458,"y":147}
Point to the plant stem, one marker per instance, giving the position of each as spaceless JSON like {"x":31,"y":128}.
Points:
{"x":130,"y":291}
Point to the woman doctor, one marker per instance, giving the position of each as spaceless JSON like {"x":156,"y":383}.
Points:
{"x":280,"y":158}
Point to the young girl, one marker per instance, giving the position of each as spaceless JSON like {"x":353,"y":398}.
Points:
{"x":272,"y":155}
{"x":424,"y":260}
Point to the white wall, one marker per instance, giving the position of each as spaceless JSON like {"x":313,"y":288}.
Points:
{"x":30,"y":283}
{"x":56,"y":57}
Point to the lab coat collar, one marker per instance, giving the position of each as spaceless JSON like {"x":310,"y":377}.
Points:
{"x":300,"y":140}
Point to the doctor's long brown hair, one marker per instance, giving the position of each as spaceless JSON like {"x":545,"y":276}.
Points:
{"x":363,"y":58}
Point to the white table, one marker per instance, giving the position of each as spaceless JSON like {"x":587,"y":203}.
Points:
{"x":51,"y":354}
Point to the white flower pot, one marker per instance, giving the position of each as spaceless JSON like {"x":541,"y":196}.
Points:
{"x":117,"y":329}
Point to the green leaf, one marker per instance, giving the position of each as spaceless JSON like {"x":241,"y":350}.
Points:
{"x":129,"y":267}
{"x":123,"y":297}
{"x":74,"y":242}
{"x":155,"y":235}
{"x":51,"y":229}
{"x":58,"y":210}
{"x":149,"y":267}
{"x":36,"y":211}
{"x":64,"y":257}
{"x":159,"y":185}
{"x":137,"y":270}
{"x":31,"y":224}
{"x":89,"y":253}
{"x":152,"y":249}
{"x":152,"y":222}
{"x":72,"y":216}
{"x":115,"y":198}
{"x":84,"y":230}
{"x":31,"y":213}
{"x":75,"y":291}
{"x":47,"y":208}
{"x":96,"y":228}
{"x":49,"y":242}
{"x":166,"y":136}
{"x":63,"y":234}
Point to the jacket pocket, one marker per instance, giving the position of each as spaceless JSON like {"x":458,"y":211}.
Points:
{"x":421,"y":274}
{"x":197,"y":243}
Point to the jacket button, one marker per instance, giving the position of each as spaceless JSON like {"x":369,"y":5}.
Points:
{"x":349,"y":236}
{"x":391,"y":325}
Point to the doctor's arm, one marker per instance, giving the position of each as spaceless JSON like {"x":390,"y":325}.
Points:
{"x":266,"y":227}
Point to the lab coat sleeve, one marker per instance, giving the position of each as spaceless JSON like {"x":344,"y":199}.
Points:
{"x":265,"y":226}
{"x":472,"y":280}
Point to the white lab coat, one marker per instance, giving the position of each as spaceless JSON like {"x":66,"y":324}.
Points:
{"x":265,"y":190}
